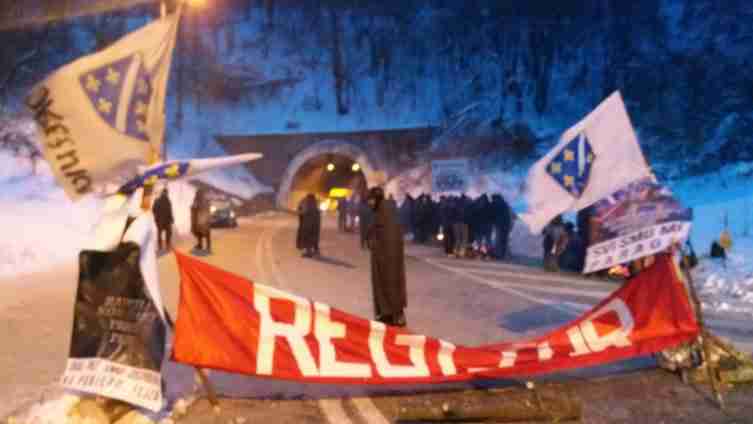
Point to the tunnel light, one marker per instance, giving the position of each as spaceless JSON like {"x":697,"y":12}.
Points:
{"x":356,"y":167}
{"x":330,"y":167}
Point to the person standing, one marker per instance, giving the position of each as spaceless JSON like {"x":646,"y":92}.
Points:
{"x":387,"y":261}
{"x":502,"y":225}
{"x":365,"y":218}
{"x":342,"y":214}
{"x":309,"y":226}
{"x":201,"y":220}
{"x":554,"y":243}
{"x":163,"y":218}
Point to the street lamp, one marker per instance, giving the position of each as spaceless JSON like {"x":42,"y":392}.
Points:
{"x":356,"y":167}
{"x":330,"y":167}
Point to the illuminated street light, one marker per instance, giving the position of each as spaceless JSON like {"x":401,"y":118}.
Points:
{"x":356,"y":167}
{"x":195,"y":3}
{"x":330,"y":167}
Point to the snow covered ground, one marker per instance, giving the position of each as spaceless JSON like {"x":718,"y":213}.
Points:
{"x":42,"y":228}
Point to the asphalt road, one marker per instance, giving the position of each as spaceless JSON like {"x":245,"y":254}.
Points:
{"x":466,"y":302}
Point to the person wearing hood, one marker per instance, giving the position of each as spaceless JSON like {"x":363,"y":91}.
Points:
{"x":201,"y":216}
{"x":385,"y":237}
{"x":309,"y":226}
{"x":163,"y":218}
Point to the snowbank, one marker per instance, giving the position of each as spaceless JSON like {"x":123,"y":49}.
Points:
{"x":43,"y":228}
{"x":727,"y":286}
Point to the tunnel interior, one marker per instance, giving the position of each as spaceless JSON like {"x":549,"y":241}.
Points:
{"x":323,"y":173}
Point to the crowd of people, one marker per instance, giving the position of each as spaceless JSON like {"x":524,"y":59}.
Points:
{"x":465,"y":227}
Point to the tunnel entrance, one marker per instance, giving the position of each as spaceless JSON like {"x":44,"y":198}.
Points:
{"x":330,"y":177}
{"x":308,"y":172}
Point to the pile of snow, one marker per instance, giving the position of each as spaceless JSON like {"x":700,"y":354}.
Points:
{"x":43,"y":228}
{"x":727,"y":286}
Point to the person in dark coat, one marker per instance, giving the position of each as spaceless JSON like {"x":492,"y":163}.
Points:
{"x":365,"y":218}
{"x":501,"y":225}
{"x":201,"y":220}
{"x":555,"y":240}
{"x":406,"y":213}
{"x":309,"y":227}
{"x":573,"y":257}
{"x":342,"y":213}
{"x":163,"y":218}
{"x":387,"y":261}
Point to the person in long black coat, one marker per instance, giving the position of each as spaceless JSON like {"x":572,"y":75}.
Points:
{"x":163,"y":218}
{"x":406,"y":213}
{"x":365,"y":218}
{"x":387,"y":261}
{"x":502,"y":225}
{"x":201,"y":217}
{"x":309,"y":226}
{"x":445,"y":220}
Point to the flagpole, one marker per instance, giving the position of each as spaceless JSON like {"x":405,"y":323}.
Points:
{"x":146,"y":201}
{"x":712,"y":372}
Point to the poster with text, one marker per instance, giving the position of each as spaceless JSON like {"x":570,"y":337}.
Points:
{"x":639,"y":220}
{"x":118,"y":337}
{"x":449,"y":176}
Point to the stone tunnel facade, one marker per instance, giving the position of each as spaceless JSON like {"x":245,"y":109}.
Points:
{"x":382,"y":155}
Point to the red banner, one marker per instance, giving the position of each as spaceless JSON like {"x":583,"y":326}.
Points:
{"x":227,"y":322}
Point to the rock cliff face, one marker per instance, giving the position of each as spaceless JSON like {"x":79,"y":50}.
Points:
{"x":521,"y":70}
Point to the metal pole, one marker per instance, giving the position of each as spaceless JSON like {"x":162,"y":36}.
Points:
{"x":712,"y":372}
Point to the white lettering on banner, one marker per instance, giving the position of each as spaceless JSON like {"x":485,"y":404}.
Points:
{"x":269,"y":330}
{"x":416,"y":353}
{"x":325,"y":330}
{"x":586,"y":331}
{"x":576,"y":340}
{"x":446,"y":362}
{"x":617,"y":337}
{"x":508,"y":359}
{"x":545,"y":351}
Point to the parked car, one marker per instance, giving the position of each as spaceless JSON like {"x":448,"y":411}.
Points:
{"x":223,"y":214}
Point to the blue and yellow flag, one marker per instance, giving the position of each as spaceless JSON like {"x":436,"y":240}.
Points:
{"x":102,"y":115}
{"x":594,"y":158}
{"x":571,"y":167}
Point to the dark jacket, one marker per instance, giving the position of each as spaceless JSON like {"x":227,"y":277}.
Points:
{"x":309,"y":224}
{"x":387,"y":261}
{"x":200,"y":214}
{"x":163,"y":211}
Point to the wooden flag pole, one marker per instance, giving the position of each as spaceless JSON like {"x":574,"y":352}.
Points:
{"x":712,"y":371}
{"x":146,"y":205}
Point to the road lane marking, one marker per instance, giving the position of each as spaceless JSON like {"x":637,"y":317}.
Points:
{"x":503,"y":288}
{"x":368,"y":411}
{"x":558,"y":290}
{"x":528,"y":274}
{"x":333,"y":411}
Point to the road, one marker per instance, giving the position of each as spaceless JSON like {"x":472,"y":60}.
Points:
{"x":466,"y":302}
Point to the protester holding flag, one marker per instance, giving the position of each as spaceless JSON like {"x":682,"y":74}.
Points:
{"x":200,"y":221}
{"x":163,"y":217}
{"x":387,"y":260}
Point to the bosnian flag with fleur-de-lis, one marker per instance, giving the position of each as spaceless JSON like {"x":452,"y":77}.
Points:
{"x":594,"y":158}
{"x":103,"y":115}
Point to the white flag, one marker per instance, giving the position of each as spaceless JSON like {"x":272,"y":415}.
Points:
{"x":103,"y":115}
{"x":593,"y":159}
